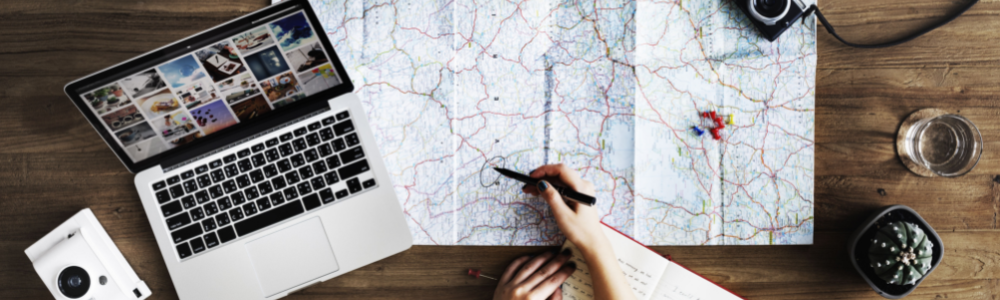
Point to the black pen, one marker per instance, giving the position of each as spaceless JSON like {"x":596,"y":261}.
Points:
{"x":567,"y":193}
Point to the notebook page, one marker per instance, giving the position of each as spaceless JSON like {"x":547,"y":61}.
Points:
{"x":677,"y":283}
{"x":642,"y":268}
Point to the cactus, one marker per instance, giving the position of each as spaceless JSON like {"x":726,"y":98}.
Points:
{"x":901,"y":253}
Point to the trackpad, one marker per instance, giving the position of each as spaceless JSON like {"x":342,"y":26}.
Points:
{"x":292,"y":256}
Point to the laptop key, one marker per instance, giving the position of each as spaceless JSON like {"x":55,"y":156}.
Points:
{"x":263,"y":204}
{"x":222,"y":219}
{"x":351,"y":155}
{"x":258,"y":160}
{"x":201,"y":169}
{"x":285,"y":149}
{"x":319,"y":167}
{"x":183,"y":251}
{"x":290,"y":193}
{"x":284,"y":166}
{"x":229,"y":158}
{"x":325,"y":150}
{"x":326,"y":196}
{"x":243,"y":181}
{"x":352,"y":139}
{"x":197,"y":214}
{"x":243,"y":153}
{"x":306,"y":172}
{"x":203,"y":181}
{"x":256,"y":176}
{"x":226,"y":234}
{"x":304,"y":188}
{"x":342,"y":193}
{"x":251,"y":193}
{"x":278,"y":183}
{"x":314,"y":126}
{"x":299,"y":144}
{"x":229,"y":186}
{"x":231,"y":170}
{"x":202,"y":197}
{"x":236,"y":214}
{"x":216,"y":191}
{"x":292,"y":177}
{"x":331,"y":178}
{"x":329,"y":120}
{"x":187,"y":174}
{"x":249,"y":209}
{"x":223,"y":203}
{"x":173,"y":180}
{"x":159,"y":185}
{"x":277,"y":199}
{"x":338,"y":145}
{"x":197,"y":245}
{"x":210,"y":240}
{"x":286,"y":137}
{"x":301,"y":131}
{"x":272,"y":155}
{"x":188,"y":202}
{"x":317,"y":183}
{"x":186,"y":233}
{"x":211,"y":209}
{"x":297,"y":160}
{"x":217,"y":175}
{"x":343,"y":127}
{"x":270,"y":171}
{"x":351,"y":170}
{"x":311,"y":201}
{"x":269,"y":218}
{"x":265,"y":188}
{"x":178,"y":221}
{"x":368,"y":183}
{"x":245,"y":165}
{"x":343,"y":115}
{"x":208,"y":224}
{"x":311,"y":155}
{"x":190,"y":186}
{"x":215,"y":163}
{"x":176,"y":191}
{"x":163,"y":196}
{"x":258,"y":148}
{"x":313,"y":139}
{"x":272,"y":142}
{"x":326,"y":134}
{"x":237,"y":198}
{"x":354,"y":185}
{"x":171,"y":208}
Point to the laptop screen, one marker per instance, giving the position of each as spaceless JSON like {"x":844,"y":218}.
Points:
{"x":241,"y":75}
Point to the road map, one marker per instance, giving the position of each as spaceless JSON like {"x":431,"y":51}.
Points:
{"x":611,"y":88}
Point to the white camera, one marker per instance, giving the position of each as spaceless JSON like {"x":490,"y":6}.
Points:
{"x":78,"y":260}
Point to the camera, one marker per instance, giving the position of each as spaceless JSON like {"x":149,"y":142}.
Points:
{"x":78,"y":260}
{"x":772,"y":17}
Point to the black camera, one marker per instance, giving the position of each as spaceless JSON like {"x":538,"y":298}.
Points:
{"x":772,"y":17}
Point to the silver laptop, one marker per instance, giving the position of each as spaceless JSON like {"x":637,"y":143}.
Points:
{"x":255,"y":162}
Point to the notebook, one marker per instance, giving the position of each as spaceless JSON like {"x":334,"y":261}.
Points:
{"x":651,"y":276}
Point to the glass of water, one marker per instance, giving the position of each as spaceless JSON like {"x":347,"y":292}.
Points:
{"x":948,"y":145}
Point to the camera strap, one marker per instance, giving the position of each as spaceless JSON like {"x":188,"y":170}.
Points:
{"x":829,"y":28}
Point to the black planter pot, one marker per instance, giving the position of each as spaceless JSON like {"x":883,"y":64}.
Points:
{"x":857,"y":248}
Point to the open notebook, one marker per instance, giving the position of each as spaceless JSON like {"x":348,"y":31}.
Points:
{"x":652,"y":276}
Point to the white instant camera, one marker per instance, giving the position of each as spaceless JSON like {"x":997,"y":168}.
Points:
{"x":78,"y":260}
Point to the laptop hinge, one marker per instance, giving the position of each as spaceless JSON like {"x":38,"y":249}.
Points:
{"x":242,"y":141}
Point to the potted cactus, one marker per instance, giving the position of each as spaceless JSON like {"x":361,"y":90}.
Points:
{"x":895,"y":250}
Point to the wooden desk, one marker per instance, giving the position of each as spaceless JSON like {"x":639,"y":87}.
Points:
{"x":52,"y":163}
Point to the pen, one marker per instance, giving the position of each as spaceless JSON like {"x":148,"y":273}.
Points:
{"x":567,"y":193}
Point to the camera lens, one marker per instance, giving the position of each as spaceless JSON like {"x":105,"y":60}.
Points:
{"x":769,"y":11}
{"x":74,"y":282}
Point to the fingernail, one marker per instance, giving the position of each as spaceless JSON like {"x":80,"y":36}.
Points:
{"x":567,"y":252}
{"x":542,"y":186}
{"x":571,"y":265}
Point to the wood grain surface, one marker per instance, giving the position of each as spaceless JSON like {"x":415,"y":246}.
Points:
{"x":53,"y":164}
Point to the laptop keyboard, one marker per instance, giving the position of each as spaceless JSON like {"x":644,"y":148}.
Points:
{"x":264,"y":184}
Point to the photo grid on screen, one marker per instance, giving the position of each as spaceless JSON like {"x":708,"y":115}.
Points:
{"x":207,"y":90}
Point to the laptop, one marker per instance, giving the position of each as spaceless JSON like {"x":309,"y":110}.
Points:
{"x":254,"y":161}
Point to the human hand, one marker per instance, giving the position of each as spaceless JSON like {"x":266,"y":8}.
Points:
{"x":535,"y":278}
{"x":578,"y":222}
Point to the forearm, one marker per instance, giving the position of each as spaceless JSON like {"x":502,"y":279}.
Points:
{"x":605,"y":272}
